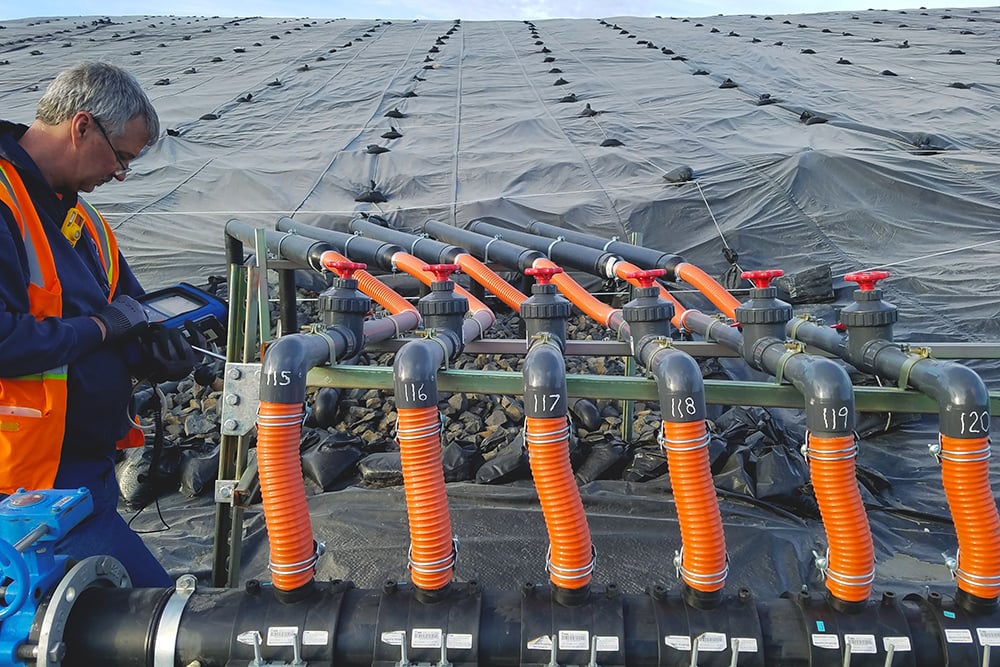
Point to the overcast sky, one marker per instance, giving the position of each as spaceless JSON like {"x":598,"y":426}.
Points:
{"x":449,"y":9}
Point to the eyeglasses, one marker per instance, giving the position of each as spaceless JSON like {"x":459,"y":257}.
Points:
{"x":119,"y":173}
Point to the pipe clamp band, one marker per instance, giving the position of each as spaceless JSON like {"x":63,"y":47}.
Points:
{"x":347,"y":242}
{"x":791,"y":351}
{"x":449,"y":562}
{"x":330,"y":343}
{"x":907,"y":366}
{"x":797,"y":324}
{"x":486,"y":250}
{"x":548,"y":251}
{"x":571,"y":573}
{"x":696,"y":443}
{"x":697,"y":578}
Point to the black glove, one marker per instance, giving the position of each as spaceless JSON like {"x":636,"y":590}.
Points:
{"x":122,"y":318}
{"x":166,"y":354}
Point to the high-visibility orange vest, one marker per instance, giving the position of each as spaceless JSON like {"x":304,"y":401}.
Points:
{"x":33,"y":407}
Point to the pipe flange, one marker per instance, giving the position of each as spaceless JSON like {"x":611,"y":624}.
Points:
{"x":103,"y":571}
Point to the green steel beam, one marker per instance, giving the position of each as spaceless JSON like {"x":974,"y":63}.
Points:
{"x":723,"y":392}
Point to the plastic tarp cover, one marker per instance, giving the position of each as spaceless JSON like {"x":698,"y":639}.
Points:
{"x":856,"y":140}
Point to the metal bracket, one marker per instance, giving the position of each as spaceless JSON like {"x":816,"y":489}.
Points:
{"x":240,"y":398}
{"x":225,"y":491}
{"x":917,"y":354}
{"x":792,"y":347}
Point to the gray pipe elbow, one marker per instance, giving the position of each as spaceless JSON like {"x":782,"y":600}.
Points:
{"x":288,"y":360}
{"x":679,"y":383}
{"x":415,"y":371}
{"x":963,"y":400}
{"x":545,"y":382}
{"x":828,"y":392}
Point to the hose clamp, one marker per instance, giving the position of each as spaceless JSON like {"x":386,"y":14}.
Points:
{"x":692,"y":578}
{"x":347,"y":242}
{"x":306,"y":565}
{"x":414,"y":433}
{"x":573,"y":574}
{"x":449,"y":562}
{"x":686,"y":445}
{"x":826,"y":572}
{"x":548,"y":437}
{"x":317,"y":330}
{"x":277,"y":421}
{"x":845,"y":454}
{"x":418,"y":238}
{"x":954,"y":565}
{"x":975,"y":456}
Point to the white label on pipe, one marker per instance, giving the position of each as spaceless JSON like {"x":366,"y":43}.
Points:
{"x":574,"y":640}
{"x":607,"y":643}
{"x":826,"y":641}
{"x":900,"y":643}
{"x":426,"y":638}
{"x":712,"y":641}
{"x":958,"y":636}
{"x":282,"y":635}
{"x":989,"y":636}
{"x":861,"y":643}
{"x":315,"y":637}
{"x":394,"y":638}
{"x":248,"y":637}
{"x":745,"y":644}
{"x":679,"y":642}
{"x":458,"y":641}
{"x":543,"y":643}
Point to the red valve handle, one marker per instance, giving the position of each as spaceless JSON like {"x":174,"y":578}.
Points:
{"x":441,"y":271}
{"x":346,"y":269}
{"x":866,"y":280}
{"x":762,"y":279}
{"x":543,"y":274}
{"x":646,"y":278}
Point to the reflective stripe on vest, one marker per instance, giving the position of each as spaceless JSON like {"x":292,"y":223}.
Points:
{"x":107,"y":246}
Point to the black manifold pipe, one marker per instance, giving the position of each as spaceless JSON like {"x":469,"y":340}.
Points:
{"x":338,"y":624}
{"x":358,"y":248}
{"x":301,"y":250}
{"x":584,"y":258}
{"x":488,"y":248}
{"x":647,"y":258}
{"x":431,"y":251}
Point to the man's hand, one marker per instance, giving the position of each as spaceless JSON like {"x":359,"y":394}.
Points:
{"x":121,"y":319}
{"x":166,"y":354}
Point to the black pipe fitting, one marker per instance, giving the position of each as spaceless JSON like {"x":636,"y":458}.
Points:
{"x":763,"y":315}
{"x":869,"y":318}
{"x":343,"y":305}
{"x":301,"y":250}
{"x":443,"y":311}
{"x":545,"y":381}
{"x":679,"y":383}
{"x":415,"y":369}
{"x":647,"y":314}
{"x":545,"y":311}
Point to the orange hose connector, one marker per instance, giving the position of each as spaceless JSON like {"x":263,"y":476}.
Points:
{"x":379,"y":292}
{"x":414,"y":266}
{"x":571,"y":557}
{"x":702,"y":563}
{"x":286,"y":514}
{"x":710,"y":287}
{"x":432,"y":547}
{"x":965,"y":473}
{"x":485,"y":276}
{"x":850,"y":567}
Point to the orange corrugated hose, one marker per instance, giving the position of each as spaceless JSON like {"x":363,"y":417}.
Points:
{"x":965,"y":473}
{"x":571,"y":561}
{"x":851,"y":563}
{"x":709,"y":286}
{"x":286,"y":514}
{"x":414,"y":266}
{"x":379,"y":292}
{"x":622,"y":269}
{"x":581,"y":298}
{"x":703,"y":565}
{"x":488,"y":278}
{"x":432,"y":553}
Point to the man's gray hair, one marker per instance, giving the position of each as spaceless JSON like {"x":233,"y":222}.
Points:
{"x":108,"y":92}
